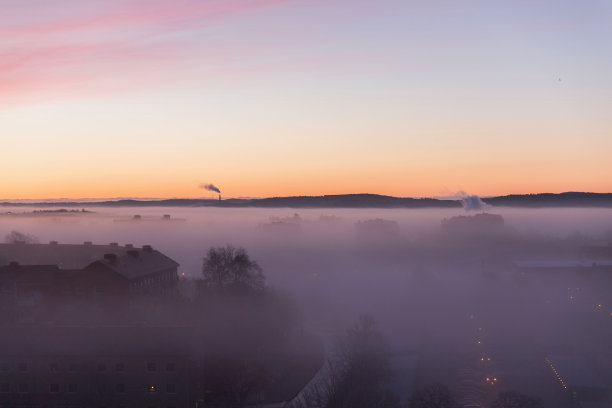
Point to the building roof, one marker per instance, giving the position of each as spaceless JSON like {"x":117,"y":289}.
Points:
{"x":39,"y":275}
{"x":127,"y":261}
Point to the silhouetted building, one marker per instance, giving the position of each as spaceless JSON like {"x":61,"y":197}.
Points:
{"x":483,"y":222}
{"x":377,"y":228}
{"x":40,"y":274}
{"x":95,"y":367}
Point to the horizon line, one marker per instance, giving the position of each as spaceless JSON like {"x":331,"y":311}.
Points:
{"x":60,"y":200}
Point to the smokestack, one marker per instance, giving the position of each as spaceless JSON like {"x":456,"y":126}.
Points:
{"x":219,"y":196}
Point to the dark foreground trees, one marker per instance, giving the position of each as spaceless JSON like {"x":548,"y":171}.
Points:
{"x":253,"y":349}
{"x":361,"y":369}
{"x":433,"y":396}
{"x":17,"y":236}
{"x":515,"y":400}
{"x":358,"y":372}
{"x":231,"y":268}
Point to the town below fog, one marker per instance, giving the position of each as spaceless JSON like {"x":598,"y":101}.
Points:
{"x":280,"y":307}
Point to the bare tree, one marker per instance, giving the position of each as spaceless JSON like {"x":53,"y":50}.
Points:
{"x":228,"y":267}
{"x":16,"y":236}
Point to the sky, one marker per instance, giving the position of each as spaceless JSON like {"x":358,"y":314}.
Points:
{"x":152,"y":98}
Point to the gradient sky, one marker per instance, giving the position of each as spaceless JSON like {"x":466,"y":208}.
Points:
{"x":150,"y":98}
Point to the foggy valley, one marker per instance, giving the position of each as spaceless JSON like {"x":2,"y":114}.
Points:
{"x":464,"y":305}
{"x":305,"y":204}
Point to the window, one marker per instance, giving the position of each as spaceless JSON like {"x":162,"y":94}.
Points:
{"x":151,"y":367}
{"x":54,"y":388}
{"x":170,"y":388}
{"x":72,"y":367}
{"x":54,"y":367}
{"x":152,"y":389}
{"x":120,"y":367}
{"x":120,"y":388}
{"x":101,"y":367}
{"x":72,"y":388}
{"x":170,"y":367}
{"x":22,"y":367}
{"x":5,"y":387}
{"x":24,"y":388}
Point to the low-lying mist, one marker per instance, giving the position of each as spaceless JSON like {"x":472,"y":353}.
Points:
{"x":463,"y":291}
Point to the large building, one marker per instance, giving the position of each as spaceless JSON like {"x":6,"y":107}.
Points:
{"x":85,"y":270}
{"x":37,"y":277}
{"x":72,"y":367}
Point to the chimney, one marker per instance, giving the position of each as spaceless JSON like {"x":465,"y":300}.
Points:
{"x":87,"y":243}
{"x":112,"y":258}
{"x":166,"y":216}
{"x":114,"y":244}
{"x":13,"y":264}
{"x":219,"y":196}
{"x":129,"y":246}
{"x":52,"y":242}
{"x":147,"y":248}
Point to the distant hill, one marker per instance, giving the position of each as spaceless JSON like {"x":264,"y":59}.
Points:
{"x":326,"y":201}
{"x":571,"y":199}
{"x":353,"y":201}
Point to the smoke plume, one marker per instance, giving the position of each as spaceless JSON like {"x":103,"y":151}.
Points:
{"x":210,"y":187}
{"x":471,"y":202}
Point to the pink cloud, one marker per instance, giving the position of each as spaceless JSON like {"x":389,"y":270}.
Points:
{"x":114,"y":14}
{"x":56,"y":53}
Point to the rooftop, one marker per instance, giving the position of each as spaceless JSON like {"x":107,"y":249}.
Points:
{"x":128,"y":261}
